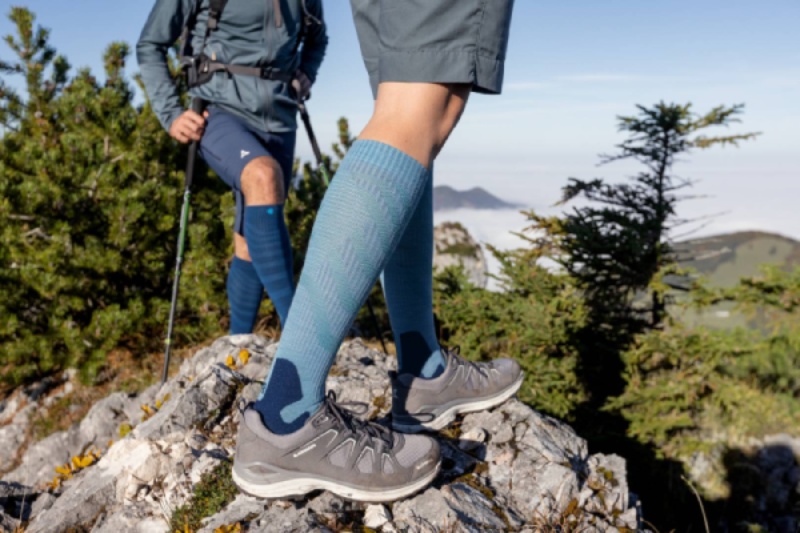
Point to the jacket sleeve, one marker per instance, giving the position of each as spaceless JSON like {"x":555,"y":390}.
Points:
{"x":315,"y":42}
{"x":162,"y":29}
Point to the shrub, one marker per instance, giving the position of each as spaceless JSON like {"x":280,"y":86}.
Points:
{"x":91,"y":189}
{"x":534,"y":321}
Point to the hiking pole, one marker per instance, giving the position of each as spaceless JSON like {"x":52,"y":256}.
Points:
{"x":326,"y":177}
{"x":197,"y":106}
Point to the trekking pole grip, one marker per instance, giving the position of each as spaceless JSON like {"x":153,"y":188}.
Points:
{"x":198,"y":106}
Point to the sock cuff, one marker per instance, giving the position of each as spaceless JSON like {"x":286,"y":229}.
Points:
{"x":371,"y":156}
{"x":266,"y":209}
{"x":238,"y":262}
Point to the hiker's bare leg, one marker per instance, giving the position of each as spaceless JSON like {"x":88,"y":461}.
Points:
{"x":267,"y":239}
{"x":240,"y":247}
{"x":262,"y":182}
{"x":416,"y":118}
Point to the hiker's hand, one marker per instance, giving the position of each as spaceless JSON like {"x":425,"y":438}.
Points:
{"x":301,"y":84}
{"x":189,"y":126}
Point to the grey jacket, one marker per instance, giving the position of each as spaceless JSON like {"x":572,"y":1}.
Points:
{"x":250,"y":33}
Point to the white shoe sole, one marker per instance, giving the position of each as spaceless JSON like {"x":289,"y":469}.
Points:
{"x":448,"y":416}
{"x":300,"y":486}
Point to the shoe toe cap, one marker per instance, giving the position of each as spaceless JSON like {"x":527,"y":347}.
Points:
{"x":421,"y":452}
{"x":508,"y":368}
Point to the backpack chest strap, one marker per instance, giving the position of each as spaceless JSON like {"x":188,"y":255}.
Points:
{"x":265,"y":73}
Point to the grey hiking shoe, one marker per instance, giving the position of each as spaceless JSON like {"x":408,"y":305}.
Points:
{"x":431,"y":404}
{"x":333,"y":451}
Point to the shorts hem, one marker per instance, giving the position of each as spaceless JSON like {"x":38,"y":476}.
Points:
{"x":485,"y":74}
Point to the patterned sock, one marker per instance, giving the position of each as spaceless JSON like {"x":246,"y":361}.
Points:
{"x":361,"y":220}
{"x":408,"y":287}
{"x":244,"y":295}
{"x":268,"y":243}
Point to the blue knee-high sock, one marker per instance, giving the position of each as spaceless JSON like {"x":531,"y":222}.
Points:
{"x":269,"y":246}
{"x":244,"y":295}
{"x":360,"y":222}
{"x":408,"y":287}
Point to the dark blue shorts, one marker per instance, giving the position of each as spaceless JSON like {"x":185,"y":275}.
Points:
{"x":229,"y":144}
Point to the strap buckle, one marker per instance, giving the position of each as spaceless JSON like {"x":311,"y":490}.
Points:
{"x":268,"y":73}
{"x":213,"y":19}
{"x":197,"y":70}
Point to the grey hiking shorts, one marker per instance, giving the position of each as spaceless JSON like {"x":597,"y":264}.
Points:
{"x":434,"y":41}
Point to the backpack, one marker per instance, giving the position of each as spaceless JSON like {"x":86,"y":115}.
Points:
{"x":199,"y":68}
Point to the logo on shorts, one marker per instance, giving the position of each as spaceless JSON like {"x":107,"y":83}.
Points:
{"x":244,"y":153}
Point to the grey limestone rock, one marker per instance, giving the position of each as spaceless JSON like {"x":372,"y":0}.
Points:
{"x":507,"y":469}
{"x":44,"y":502}
{"x":13,"y":436}
{"x":16,"y":504}
{"x":18,"y":410}
{"x":287,"y":518}
{"x":238,"y":510}
{"x":454,"y":246}
{"x":425,"y":512}
{"x":95,"y":490}
{"x":133,"y":518}
{"x":376,"y":516}
{"x":98,"y":427}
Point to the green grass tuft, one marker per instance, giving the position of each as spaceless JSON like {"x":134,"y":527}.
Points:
{"x":215,"y":490}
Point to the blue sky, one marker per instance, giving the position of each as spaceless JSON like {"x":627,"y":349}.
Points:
{"x":572,"y":68}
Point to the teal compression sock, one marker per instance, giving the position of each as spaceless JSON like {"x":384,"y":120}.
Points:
{"x":408,"y":287}
{"x":244,"y":296}
{"x":361,"y":220}
{"x":269,"y":246}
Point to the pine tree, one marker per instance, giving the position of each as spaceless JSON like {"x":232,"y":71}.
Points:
{"x":90,"y":188}
{"x":618,"y":246}
{"x":620,"y":242}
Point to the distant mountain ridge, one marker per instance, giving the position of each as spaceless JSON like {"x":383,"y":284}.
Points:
{"x":724,"y":259}
{"x":446,"y":198}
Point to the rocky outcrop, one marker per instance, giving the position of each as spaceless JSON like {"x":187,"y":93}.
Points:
{"x":454,"y":246}
{"x":509,"y":469}
{"x":18,"y":410}
{"x":99,"y":427}
{"x":759,"y":479}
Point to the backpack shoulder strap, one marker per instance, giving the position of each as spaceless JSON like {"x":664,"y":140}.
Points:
{"x":215,"y":8}
{"x":186,"y":34}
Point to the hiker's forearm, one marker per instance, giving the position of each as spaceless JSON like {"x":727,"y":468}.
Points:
{"x":163,"y":27}
{"x":162,"y":93}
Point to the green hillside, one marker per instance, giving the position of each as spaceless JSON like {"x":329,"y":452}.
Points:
{"x":722,"y":260}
